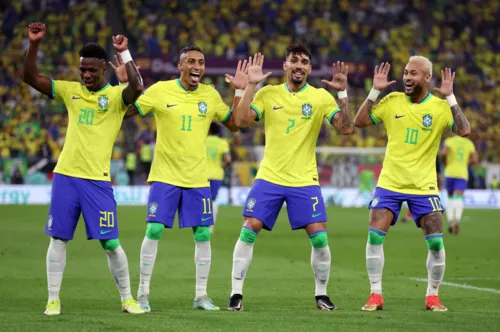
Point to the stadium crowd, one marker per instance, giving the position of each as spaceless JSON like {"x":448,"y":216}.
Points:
{"x":459,"y":34}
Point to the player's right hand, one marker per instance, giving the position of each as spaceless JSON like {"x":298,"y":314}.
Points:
{"x":120,"y":69}
{"x":36,"y":31}
{"x":255,"y":74}
{"x":380,"y":78}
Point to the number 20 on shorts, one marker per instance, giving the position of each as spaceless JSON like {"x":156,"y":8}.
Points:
{"x":107,"y":219}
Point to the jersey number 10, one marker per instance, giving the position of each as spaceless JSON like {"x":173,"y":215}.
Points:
{"x":411,"y":136}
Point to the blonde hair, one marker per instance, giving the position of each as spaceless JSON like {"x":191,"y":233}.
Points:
{"x":427,"y":63}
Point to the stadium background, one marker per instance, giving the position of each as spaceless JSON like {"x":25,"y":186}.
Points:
{"x":278,"y":290}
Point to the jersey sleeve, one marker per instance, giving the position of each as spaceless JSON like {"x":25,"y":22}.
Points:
{"x":258,"y":103}
{"x":379,"y":111}
{"x":146,"y":102}
{"x":330,"y":107}
{"x":224,"y":148}
{"x":448,"y":117}
{"x":222,"y":111}
{"x":60,"y":89}
{"x":119,"y":91}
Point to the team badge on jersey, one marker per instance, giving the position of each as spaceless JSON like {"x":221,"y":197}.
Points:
{"x":49,"y":222}
{"x":307,"y":111}
{"x":202,"y":108}
{"x":427,"y":120}
{"x":153,"y":207}
{"x":103,"y":103}
{"x":250,"y":204}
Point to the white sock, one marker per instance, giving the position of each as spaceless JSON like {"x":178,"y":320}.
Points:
{"x":149,"y":249}
{"x":320,"y":262}
{"x":56,"y":261}
{"x":374,"y":266}
{"x":118,"y":265}
{"x":435,"y":270}
{"x":242,"y":257}
{"x":459,"y":209}
{"x":202,"y":259}
{"x":215,"y":209}
{"x":450,"y":210}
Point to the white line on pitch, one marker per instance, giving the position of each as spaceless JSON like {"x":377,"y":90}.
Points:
{"x":473,"y":278}
{"x":491,"y":290}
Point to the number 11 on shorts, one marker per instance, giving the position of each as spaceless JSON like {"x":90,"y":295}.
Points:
{"x":207,"y":207}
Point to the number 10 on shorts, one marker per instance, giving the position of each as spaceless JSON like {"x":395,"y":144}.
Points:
{"x":107,"y":219}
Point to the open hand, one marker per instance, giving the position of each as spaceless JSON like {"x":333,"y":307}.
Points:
{"x":339,"y":80}
{"x":255,"y":74}
{"x":380,"y":78}
{"x":120,"y":69}
{"x":240,"y":79}
{"x":447,"y":78}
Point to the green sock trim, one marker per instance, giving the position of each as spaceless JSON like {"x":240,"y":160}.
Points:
{"x":376,"y":236}
{"x":319,"y":240}
{"x":248,"y":236}
{"x":458,"y":196}
{"x":435,"y":243}
{"x":110,"y":244}
{"x":201,"y":233}
{"x":154,"y":230}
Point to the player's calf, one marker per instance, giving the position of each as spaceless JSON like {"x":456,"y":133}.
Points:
{"x":321,"y":262}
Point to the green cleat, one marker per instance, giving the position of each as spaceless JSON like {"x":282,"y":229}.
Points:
{"x":53,"y":308}
{"x":131,"y":306}
{"x":204,"y":303}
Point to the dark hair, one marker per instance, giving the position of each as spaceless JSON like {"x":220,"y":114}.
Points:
{"x":94,"y":51}
{"x":214,"y":129}
{"x":186,"y":49}
{"x":297,"y":49}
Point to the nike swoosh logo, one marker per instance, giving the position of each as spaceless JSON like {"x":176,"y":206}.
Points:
{"x":171,"y":105}
{"x":277,"y":108}
{"x":146,"y":264}
{"x":398,"y":116}
{"x":106,"y":232}
{"x":314,"y":215}
{"x":74,"y":97}
{"x":205,"y":219}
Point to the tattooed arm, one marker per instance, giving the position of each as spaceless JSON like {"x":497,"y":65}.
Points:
{"x":461,"y":126}
{"x":343,"y":119}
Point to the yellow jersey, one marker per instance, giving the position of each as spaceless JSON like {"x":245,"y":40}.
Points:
{"x":414,"y":132}
{"x":94,"y":121}
{"x":182,"y":118}
{"x":457,"y":160}
{"x":216,"y":149}
{"x":292,"y":124}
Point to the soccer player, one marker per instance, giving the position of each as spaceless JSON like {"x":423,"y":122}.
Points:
{"x":218,"y":158}
{"x":415,"y":121}
{"x":294,"y":113}
{"x":81,"y":182}
{"x":184,"y":109}
{"x":457,"y":153}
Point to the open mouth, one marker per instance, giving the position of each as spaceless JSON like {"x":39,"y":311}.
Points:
{"x":195,"y":77}
{"x":409,"y":86}
{"x":298,"y":74}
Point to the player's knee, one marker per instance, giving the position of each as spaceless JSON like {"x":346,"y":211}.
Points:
{"x":201,"y":233}
{"x":154,"y":230}
{"x":319,"y":239}
{"x":434,"y":242}
{"x":248,"y":235}
{"x":110,"y":244}
{"x":376,"y":236}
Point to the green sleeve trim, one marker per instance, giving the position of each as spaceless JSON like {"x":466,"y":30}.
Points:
{"x":259,"y":113}
{"x":227,"y":115}
{"x":330,"y":117}
{"x":139,"y":109}
{"x":452,"y":124}
{"x":53,"y":89}
{"x":373,"y":119}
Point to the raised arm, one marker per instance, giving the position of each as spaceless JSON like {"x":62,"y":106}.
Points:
{"x":460,"y":126}
{"x":135,"y":86}
{"x":363,"y":116}
{"x":238,"y":82}
{"x":343,"y":119}
{"x":36,"y":31}
{"x":244,"y":115}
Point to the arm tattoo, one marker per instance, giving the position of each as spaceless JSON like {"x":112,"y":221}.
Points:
{"x":432,"y":223}
{"x":461,"y":125}
{"x":344,"y":123}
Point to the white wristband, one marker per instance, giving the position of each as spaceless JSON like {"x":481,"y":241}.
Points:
{"x":123,"y":84}
{"x":239,"y":92}
{"x":452,"y":101}
{"x":342,"y":94}
{"x":373,"y":94}
{"x":126,"y":57}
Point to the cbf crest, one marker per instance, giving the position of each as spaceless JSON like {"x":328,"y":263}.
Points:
{"x":202,"y":108}
{"x":49,"y":222}
{"x":307,"y":111}
{"x":250,"y":204}
{"x":103,"y":103}
{"x":427,"y":120}
{"x":153,"y":207}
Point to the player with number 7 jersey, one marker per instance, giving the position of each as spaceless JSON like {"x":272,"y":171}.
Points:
{"x":294,"y":113}
{"x":415,"y":121}
{"x":183,"y":109}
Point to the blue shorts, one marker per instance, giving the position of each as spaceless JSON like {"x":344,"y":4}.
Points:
{"x":304,"y":205}
{"x":194,"y":205}
{"x":453,"y":184}
{"x":94,"y":199}
{"x":214,"y":188}
{"x":419,"y":205}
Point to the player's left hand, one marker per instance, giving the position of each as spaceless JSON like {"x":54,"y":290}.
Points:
{"x":240,"y":79}
{"x":120,"y":43}
{"x":447,"y":78}
{"x":339,"y":80}
{"x":120,"y":69}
